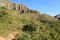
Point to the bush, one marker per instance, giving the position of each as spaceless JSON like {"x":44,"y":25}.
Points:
{"x":2,"y":8}
{"x":29,"y":28}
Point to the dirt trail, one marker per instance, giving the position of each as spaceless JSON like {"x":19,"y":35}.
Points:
{"x":11,"y":36}
{"x":2,"y":38}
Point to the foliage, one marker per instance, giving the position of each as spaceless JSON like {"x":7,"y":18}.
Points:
{"x":31,"y":26}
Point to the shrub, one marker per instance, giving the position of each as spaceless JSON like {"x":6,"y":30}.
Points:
{"x":29,"y":28}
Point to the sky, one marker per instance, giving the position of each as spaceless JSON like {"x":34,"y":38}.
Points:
{"x":50,"y":7}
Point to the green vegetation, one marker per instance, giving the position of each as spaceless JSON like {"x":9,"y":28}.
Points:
{"x":31,"y":26}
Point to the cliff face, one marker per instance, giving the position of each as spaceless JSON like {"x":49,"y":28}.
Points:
{"x":18,"y":7}
{"x":13,"y":6}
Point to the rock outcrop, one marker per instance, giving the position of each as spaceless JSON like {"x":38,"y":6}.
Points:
{"x":57,"y":16}
{"x":18,"y":7}
{"x":13,"y":6}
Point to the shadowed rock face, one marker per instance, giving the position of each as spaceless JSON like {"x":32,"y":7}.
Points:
{"x":57,"y":16}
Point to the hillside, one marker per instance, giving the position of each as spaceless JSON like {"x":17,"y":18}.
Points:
{"x":29,"y":25}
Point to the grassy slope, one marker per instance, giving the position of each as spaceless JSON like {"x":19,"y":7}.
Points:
{"x":46,"y":27}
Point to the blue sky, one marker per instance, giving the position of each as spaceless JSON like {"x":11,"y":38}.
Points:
{"x":50,"y":7}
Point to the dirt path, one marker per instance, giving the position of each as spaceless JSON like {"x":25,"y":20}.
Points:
{"x":11,"y":36}
{"x":2,"y":38}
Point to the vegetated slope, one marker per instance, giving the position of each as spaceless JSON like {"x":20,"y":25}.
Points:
{"x":31,"y":26}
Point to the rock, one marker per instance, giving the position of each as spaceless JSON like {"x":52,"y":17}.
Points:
{"x":18,"y":7}
{"x":57,"y":16}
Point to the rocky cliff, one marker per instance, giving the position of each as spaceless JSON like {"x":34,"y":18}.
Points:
{"x":13,"y":6}
{"x":18,"y":7}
